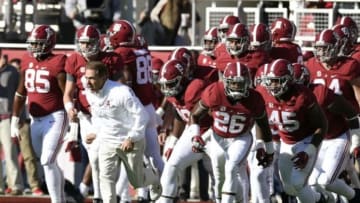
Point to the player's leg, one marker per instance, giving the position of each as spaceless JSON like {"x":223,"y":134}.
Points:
{"x":181,"y":157}
{"x":295,"y":180}
{"x":236,"y":153}
{"x":92,"y":149}
{"x":52,"y":141}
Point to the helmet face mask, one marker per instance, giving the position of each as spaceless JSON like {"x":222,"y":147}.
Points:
{"x":237,"y":46}
{"x":301,"y":74}
{"x":171,"y":88}
{"x":88,"y":41}
{"x":344,"y":41}
{"x":351,"y":25}
{"x":278,"y":77}
{"x":41,"y":40}
{"x":326,"y":46}
{"x":277,"y":86}
{"x":171,"y":78}
{"x":210,"y":40}
{"x":225,"y":24}
{"x":238,"y":40}
{"x":236,"y":81}
{"x":260,"y":38}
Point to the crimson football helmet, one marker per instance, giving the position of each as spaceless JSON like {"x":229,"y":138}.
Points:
{"x":210,"y":40}
{"x":225,"y":24}
{"x":238,"y":39}
{"x":351,"y":24}
{"x":172,"y":79}
{"x":278,"y":76}
{"x":156,"y":65}
{"x":41,"y":40}
{"x":121,"y":33}
{"x":344,"y":42}
{"x":283,"y":29}
{"x":236,"y":80}
{"x":260,"y":37}
{"x":90,"y":35}
{"x":326,"y":46}
{"x":185,"y":56}
{"x":301,"y":74}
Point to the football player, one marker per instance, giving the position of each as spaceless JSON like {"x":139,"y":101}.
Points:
{"x":234,"y":107}
{"x":334,"y":151}
{"x":42,"y":83}
{"x":182,"y":94}
{"x":283,"y":33}
{"x":301,"y":124}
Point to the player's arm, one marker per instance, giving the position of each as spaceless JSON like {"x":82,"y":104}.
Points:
{"x":343,"y":107}
{"x":70,"y":86}
{"x":319,"y":121}
{"x":262,"y":127}
{"x":18,"y":105}
{"x":127,"y":76}
{"x":199,"y":111}
{"x":355,"y":83}
{"x":173,"y":137}
{"x":61,"y":79}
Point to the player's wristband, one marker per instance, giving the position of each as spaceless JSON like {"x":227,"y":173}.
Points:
{"x":269,"y":147}
{"x":194,"y":129}
{"x":68,"y":106}
{"x":160,"y":111}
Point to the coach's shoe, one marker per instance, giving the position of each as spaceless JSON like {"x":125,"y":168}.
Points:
{"x":14,"y":192}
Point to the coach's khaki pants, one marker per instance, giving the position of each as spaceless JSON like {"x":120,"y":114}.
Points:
{"x":110,"y":157}
{"x":30,"y":160}
{"x":13,"y":175}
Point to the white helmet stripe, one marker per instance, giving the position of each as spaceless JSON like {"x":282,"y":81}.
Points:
{"x":254,"y":33}
{"x":238,"y":69}
{"x":273,"y":65}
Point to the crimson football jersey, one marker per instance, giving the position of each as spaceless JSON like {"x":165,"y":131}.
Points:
{"x":208,"y":74}
{"x":232,"y":120}
{"x":75,"y":66}
{"x":287,"y":50}
{"x":41,"y":83}
{"x":355,"y":54}
{"x":139,"y":62}
{"x":336,"y":123}
{"x":188,"y":100}
{"x":255,"y":59}
{"x":291,"y":117}
{"x":205,"y":60}
{"x":337,"y":78}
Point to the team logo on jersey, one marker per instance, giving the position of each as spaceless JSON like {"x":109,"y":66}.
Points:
{"x":222,"y":108}
{"x":82,"y":69}
{"x":318,"y":73}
